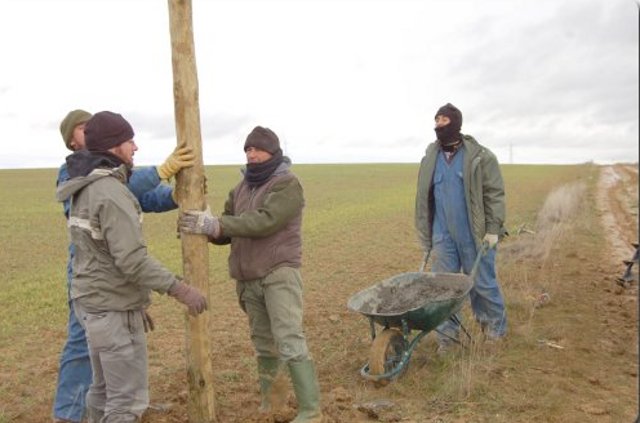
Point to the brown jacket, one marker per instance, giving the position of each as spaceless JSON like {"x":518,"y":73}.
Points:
{"x":264,"y":226}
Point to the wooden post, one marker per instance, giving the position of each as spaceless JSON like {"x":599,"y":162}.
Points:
{"x":190,"y":191}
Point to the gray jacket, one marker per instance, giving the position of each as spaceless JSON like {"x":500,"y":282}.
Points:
{"x":112,"y":270}
{"x":483,"y":192}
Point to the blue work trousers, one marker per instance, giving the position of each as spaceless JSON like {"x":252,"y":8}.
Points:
{"x":74,"y":377}
{"x":486,"y":299}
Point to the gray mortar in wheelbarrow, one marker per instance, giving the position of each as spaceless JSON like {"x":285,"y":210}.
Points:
{"x":410,"y":301}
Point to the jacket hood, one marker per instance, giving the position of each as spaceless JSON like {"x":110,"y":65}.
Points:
{"x":74,"y":185}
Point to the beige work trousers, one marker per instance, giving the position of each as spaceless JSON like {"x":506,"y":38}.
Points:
{"x":274,"y":307}
{"x":118,"y":352}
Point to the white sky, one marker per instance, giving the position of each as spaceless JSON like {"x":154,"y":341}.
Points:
{"x":338,"y":80}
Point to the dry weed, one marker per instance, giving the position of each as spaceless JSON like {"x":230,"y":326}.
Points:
{"x":555,"y":217}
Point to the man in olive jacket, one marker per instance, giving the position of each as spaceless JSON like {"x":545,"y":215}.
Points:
{"x":262,"y":220}
{"x":113,"y":275}
{"x":460,"y":205}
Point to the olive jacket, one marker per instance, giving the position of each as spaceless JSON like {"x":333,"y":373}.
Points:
{"x":483,"y":191}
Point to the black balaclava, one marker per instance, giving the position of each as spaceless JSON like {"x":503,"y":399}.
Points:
{"x":449,"y":135}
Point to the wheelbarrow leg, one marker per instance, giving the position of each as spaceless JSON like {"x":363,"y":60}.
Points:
{"x":459,"y":323}
{"x":454,"y":318}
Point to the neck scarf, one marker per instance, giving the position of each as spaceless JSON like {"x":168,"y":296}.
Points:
{"x":83,"y":162}
{"x":258,"y":173}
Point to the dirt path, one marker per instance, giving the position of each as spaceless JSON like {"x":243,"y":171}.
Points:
{"x":618,"y":204}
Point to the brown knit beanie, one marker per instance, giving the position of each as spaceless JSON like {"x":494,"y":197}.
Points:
{"x":264,"y":139}
{"x":106,"y":130}
{"x":69,"y":123}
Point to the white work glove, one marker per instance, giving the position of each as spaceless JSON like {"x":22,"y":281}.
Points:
{"x":491,"y":240}
{"x":199,"y":222}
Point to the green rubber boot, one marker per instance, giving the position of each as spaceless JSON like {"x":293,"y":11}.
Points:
{"x":267,"y":371}
{"x":305,"y":386}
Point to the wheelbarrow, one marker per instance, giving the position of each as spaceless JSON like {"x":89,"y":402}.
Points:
{"x":406,"y":302}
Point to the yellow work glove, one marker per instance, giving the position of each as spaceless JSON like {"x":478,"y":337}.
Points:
{"x":181,"y":157}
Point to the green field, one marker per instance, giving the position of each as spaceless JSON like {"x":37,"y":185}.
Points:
{"x":358,"y":229}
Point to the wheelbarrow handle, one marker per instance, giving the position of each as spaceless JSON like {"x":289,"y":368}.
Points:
{"x":484,"y":247}
{"x":425,"y":260}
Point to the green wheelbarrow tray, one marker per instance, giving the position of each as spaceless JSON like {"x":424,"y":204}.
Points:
{"x":409,"y":301}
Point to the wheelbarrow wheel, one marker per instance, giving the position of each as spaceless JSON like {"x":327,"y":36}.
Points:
{"x":386,"y":353}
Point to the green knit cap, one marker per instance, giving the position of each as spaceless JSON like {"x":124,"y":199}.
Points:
{"x":68,"y":124}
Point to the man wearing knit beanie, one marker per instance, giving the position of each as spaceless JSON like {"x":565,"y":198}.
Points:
{"x":74,"y":376}
{"x":72,"y":128}
{"x":107,"y":130}
{"x":113,"y":272}
{"x":460,"y":212}
{"x":263,"y":222}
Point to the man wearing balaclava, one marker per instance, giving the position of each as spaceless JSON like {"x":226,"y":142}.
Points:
{"x":74,"y":374}
{"x":262,"y":220}
{"x":460,"y":205}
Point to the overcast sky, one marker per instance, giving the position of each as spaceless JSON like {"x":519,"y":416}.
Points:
{"x":338,"y":80}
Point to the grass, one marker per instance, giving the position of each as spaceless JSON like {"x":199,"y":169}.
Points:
{"x":358,"y":229}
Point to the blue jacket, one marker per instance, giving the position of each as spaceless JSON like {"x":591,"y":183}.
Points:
{"x":145,"y":185}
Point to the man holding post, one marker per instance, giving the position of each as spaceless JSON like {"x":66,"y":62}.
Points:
{"x":113,"y":275}
{"x":74,"y":374}
{"x":262,"y":220}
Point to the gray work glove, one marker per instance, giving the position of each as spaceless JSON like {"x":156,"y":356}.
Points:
{"x":147,"y":321}
{"x":199,"y":222}
{"x":188,"y":296}
{"x":491,"y":240}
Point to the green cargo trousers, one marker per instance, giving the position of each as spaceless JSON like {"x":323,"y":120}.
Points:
{"x":119,"y":392}
{"x":274,"y":307}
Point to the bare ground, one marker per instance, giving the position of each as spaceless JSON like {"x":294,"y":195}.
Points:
{"x":571,"y":356}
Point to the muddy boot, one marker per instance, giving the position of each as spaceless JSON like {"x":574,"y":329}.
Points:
{"x":267,"y":371}
{"x":305,"y":386}
{"x":93,"y":415}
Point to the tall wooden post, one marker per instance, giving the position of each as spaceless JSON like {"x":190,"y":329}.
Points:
{"x":190,"y":191}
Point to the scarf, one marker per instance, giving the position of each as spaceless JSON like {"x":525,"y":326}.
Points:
{"x":83,"y":162}
{"x":257,"y":174}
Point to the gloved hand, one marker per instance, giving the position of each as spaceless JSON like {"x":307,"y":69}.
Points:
{"x":181,"y":157}
{"x":199,"y":222}
{"x":188,"y":296}
{"x":491,"y":240}
{"x":147,"y":321}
